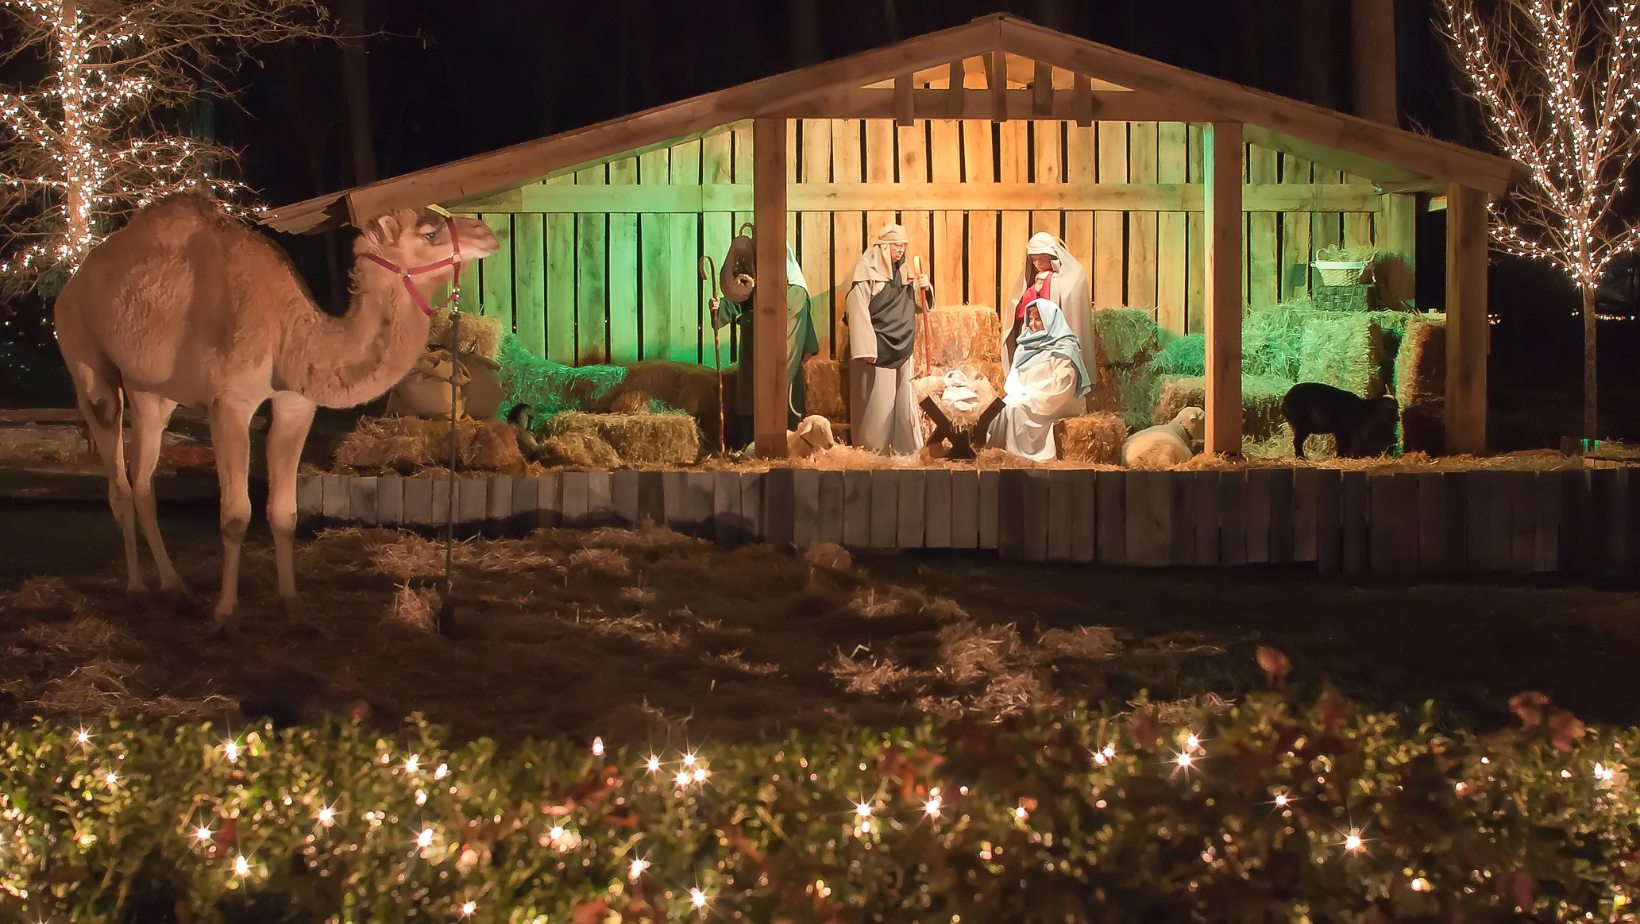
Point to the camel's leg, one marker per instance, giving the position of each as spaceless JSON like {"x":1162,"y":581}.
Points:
{"x":102,"y":405}
{"x":150,"y":414}
{"x":292,"y":415}
{"x":231,"y":439}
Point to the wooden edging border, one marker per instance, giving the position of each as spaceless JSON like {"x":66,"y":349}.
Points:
{"x":1496,"y":522}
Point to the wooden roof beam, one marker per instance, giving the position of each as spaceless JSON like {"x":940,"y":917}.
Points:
{"x":1416,"y":154}
{"x":1042,"y":91}
{"x":1376,"y":170}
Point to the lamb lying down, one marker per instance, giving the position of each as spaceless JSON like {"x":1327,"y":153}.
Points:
{"x":1166,"y":445}
{"x":812,"y":435}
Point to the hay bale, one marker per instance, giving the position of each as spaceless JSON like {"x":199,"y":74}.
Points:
{"x":547,"y":387}
{"x":1344,"y":351}
{"x":1126,"y":335}
{"x":1420,"y":363}
{"x":1346,"y":298}
{"x":1272,"y":340}
{"x":659,"y":386}
{"x":993,"y":372}
{"x":961,"y":334}
{"x":1423,"y":428}
{"x":635,"y":439}
{"x":404,"y":444}
{"x":1261,"y":416}
{"x":1182,"y":356}
{"x":823,"y":388}
{"x":579,"y":450}
{"x":479,"y":334}
{"x":1093,"y":438}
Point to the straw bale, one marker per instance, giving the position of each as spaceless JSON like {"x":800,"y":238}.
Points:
{"x":1357,"y":298}
{"x":1093,"y":642}
{"x":1261,"y":416}
{"x":1093,"y":437}
{"x":1420,"y":363}
{"x":962,"y":334}
{"x":657,"y":386}
{"x":1423,"y":427}
{"x":551,"y":388}
{"x":823,"y":388}
{"x":479,"y":334}
{"x":995,"y":373}
{"x":404,"y":444}
{"x":1343,"y":350}
{"x":414,"y":607}
{"x":1127,"y":335}
{"x":635,"y":439}
{"x":1182,"y":356}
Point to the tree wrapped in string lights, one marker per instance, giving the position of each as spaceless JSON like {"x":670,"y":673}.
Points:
{"x":1557,"y":82}
{"x":98,"y":135}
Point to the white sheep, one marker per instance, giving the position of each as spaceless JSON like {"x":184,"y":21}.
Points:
{"x":1166,"y":445}
{"x":812,"y":435}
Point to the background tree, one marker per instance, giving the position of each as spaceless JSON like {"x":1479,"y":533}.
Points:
{"x":1556,"y":81}
{"x":99,"y":134}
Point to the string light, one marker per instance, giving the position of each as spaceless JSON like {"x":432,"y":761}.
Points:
{"x":202,"y":834}
{"x":597,"y":747}
{"x":241,"y":866}
{"x":425,"y":838}
{"x":638,"y":866}
{"x":326,"y":816}
{"x":1558,"y":80}
{"x":697,"y":898}
{"x":412,"y":763}
{"x":682,"y":778}
{"x":468,"y":909}
{"x":230,"y":750}
{"x":653,"y":764}
{"x":863,"y":810}
{"x":932,"y":807}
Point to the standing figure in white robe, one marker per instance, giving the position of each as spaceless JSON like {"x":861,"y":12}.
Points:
{"x":1046,"y":382}
{"x":882,"y":330}
{"x":1050,"y":272}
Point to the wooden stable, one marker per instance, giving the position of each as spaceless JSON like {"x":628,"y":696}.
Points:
{"x":1187,"y":195}
{"x":1579,"y":521}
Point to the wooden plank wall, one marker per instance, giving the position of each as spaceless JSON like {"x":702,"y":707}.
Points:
{"x":1480,"y":522}
{"x":587,"y":287}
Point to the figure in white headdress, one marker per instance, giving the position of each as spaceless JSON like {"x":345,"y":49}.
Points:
{"x":1047,"y":381}
{"x":1050,"y":272}
{"x":882,"y":330}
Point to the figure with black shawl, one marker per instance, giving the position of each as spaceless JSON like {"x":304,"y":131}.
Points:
{"x":882,"y":326}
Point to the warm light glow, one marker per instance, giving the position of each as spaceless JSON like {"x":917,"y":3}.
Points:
{"x":112,"y":778}
{"x":638,"y":866}
{"x":425,"y":838}
{"x":1192,"y":741}
{"x":468,"y":909}
{"x":697,"y":898}
{"x":203,"y":834}
{"x":1184,"y":760}
{"x":412,"y":763}
{"x":83,"y":737}
{"x":597,"y":747}
{"x":932,"y":807}
{"x":688,"y":760}
{"x":241,"y":866}
{"x":1281,"y":799}
{"x":230,"y":750}
{"x":863,"y":810}
{"x":326,"y":816}
{"x":653,"y":764}
{"x":682,"y":778}
{"x":1418,"y":885}
{"x":1353,"y":842}
{"x":1603,"y":772}
{"x":442,"y":771}
{"x":556,"y":832}
{"x":1020,"y":813}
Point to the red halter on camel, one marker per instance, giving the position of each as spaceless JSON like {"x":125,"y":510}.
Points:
{"x":454,"y":259}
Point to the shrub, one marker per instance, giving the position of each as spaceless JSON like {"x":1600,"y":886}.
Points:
{"x":1268,"y":811}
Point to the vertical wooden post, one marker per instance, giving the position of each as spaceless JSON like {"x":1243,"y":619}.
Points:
{"x":769,"y":389}
{"x":1372,"y":24}
{"x":1397,"y":268}
{"x":1221,"y":172}
{"x":1467,"y":332}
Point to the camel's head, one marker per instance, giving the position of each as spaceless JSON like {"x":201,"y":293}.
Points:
{"x":408,"y":239}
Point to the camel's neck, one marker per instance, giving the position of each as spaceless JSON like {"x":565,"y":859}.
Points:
{"x":342,"y":362}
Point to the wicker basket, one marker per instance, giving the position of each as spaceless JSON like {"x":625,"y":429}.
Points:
{"x":1334,"y":273}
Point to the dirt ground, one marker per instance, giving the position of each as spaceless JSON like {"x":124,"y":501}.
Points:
{"x":649,"y":636}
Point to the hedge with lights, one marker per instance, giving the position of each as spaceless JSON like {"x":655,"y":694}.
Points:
{"x":1271,"y":811}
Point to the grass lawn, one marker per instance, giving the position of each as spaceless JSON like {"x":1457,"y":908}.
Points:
{"x":635,"y":636}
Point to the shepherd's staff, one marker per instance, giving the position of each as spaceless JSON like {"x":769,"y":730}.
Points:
{"x":922,"y":321}
{"x":708,"y":270}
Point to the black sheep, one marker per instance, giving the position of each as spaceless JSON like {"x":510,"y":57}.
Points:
{"x":1363,"y":427}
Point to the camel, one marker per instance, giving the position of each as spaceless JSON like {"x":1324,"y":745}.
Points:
{"x":185,"y":305}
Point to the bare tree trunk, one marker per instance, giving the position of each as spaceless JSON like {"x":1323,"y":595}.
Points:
{"x":1372,"y":26}
{"x":803,"y":23}
{"x":356,"y":86}
{"x":78,"y":186}
{"x":1316,"y":55}
{"x":1591,"y":404}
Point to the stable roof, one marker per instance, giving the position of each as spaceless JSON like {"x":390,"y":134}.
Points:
{"x":1039,"y":73}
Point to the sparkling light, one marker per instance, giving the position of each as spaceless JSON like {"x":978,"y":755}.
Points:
{"x":241,"y":866}
{"x":653,"y":764}
{"x":442,"y":771}
{"x":1192,"y":741}
{"x":412,"y":763}
{"x":425,"y":838}
{"x":1353,"y":841}
{"x":468,"y":909}
{"x":202,"y":834}
{"x":1020,"y":813}
{"x":598,"y":747}
{"x":112,"y":778}
{"x":932,"y":807}
{"x":230,"y":750}
{"x":688,"y":760}
{"x":697,"y":898}
{"x":83,"y":737}
{"x":682,"y":778}
{"x":1184,"y":760}
{"x":556,"y":832}
{"x":863,"y":810}
{"x":326,"y":816}
{"x":637,"y":868}
{"x":1281,"y":799}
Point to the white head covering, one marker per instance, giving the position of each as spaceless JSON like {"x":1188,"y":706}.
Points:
{"x":1070,"y":291}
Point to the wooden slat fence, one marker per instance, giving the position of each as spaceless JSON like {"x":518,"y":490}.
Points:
{"x":1576,"y":521}
{"x":600,"y":265}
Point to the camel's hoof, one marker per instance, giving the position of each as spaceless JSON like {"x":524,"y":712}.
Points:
{"x":227,"y":624}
